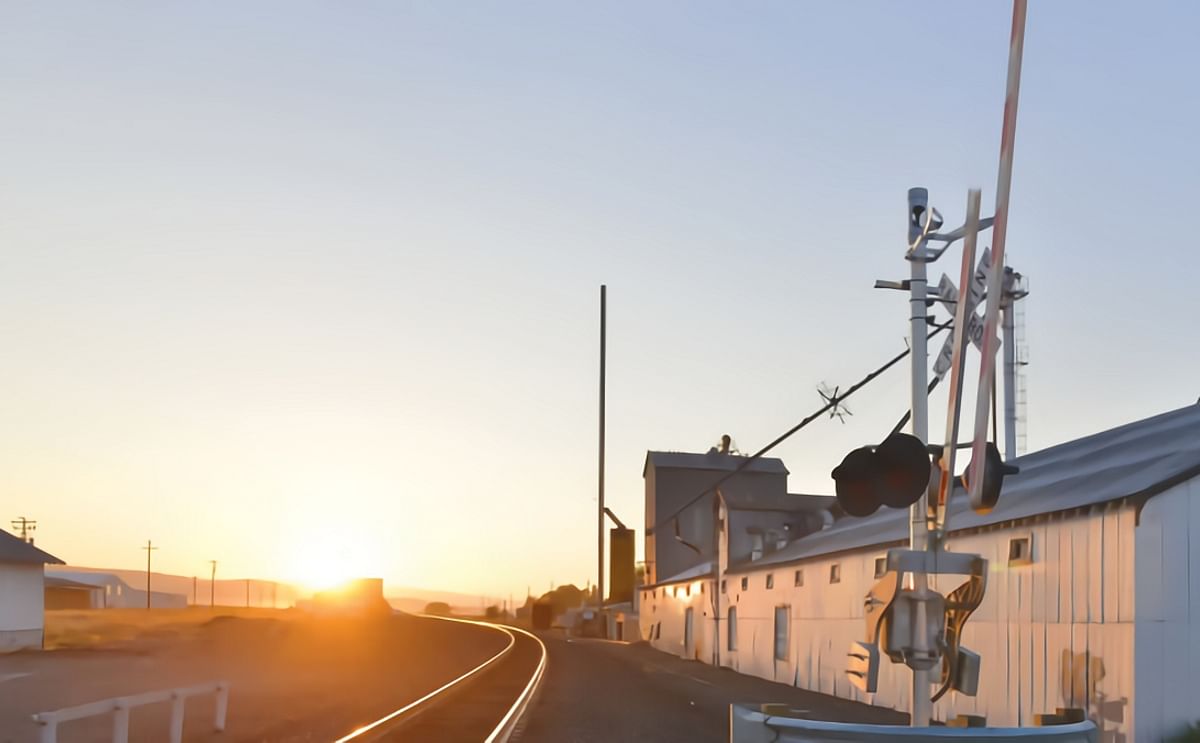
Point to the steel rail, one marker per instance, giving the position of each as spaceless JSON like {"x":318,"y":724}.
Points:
{"x":504,"y":729}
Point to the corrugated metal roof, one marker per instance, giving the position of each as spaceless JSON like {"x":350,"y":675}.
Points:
{"x":13,"y":549}
{"x":740,"y":500}
{"x":703,"y":570}
{"x":1137,"y":459}
{"x":711,"y":461}
{"x":93,"y":578}
{"x":54,"y":581}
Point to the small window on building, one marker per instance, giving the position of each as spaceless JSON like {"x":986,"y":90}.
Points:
{"x":687,"y":590}
{"x":658,"y":630}
{"x":781,"y":632}
{"x":1020,"y":551}
{"x":731,"y":629}
{"x":798,"y":580}
{"x":835,"y":573}
{"x":654,"y":594}
{"x":722,"y":585}
{"x":770,"y":581}
{"x":674,"y":590}
{"x":880,"y":566}
{"x":745,"y":583}
{"x":702,"y":589}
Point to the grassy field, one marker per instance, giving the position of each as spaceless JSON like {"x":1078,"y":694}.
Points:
{"x":108,"y":628}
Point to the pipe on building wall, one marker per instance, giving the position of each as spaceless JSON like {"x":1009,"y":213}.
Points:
{"x":679,"y":538}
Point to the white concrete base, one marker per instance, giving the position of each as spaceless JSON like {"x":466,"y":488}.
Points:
{"x":12,"y":640}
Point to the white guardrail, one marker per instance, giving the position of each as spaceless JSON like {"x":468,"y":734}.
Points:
{"x":750,"y":725}
{"x":119,"y":708}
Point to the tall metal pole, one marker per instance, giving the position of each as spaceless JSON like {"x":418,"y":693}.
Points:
{"x":1009,"y":347}
{"x":918,"y":214}
{"x":600,"y":498}
{"x":212,"y":586}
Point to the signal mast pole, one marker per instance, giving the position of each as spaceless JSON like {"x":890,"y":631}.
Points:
{"x":920,"y":223}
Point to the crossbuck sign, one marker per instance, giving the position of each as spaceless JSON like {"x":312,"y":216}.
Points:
{"x":948,"y":292}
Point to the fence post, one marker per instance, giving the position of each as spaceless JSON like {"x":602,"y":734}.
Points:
{"x":49,"y":732}
{"x":120,"y":722}
{"x":222,"y":706}
{"x":177,"y":702}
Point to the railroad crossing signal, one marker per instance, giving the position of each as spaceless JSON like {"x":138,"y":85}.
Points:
{"x":984,"y":498}
{"x":895,"y":474}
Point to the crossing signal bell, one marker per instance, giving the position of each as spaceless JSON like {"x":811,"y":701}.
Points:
{"x":894,"y":474}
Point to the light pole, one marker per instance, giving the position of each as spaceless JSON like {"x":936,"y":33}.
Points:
{"x":600,"y":505}
{"x":212,"y":585}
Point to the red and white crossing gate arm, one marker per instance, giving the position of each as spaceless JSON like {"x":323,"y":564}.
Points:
{"x":962,"y":312}
{"x":987,"y":366}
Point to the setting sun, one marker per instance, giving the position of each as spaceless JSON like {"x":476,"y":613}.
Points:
{"x":326,"y":561}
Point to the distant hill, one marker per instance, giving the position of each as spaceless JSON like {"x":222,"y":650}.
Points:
{"x":407,"y":598}
{"x":232,"y":591}
{"x":227,"y":592}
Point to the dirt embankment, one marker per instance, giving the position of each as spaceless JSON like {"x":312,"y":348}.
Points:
{"x":294,"y":677}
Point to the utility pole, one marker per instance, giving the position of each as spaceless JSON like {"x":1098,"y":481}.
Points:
{"x":600,"y":505}
{"x":26,"y":527}
{"x":212,"y":586}
{"x":193,"y":590}
{"x":149,"y":549}
{"x":247,"y":593}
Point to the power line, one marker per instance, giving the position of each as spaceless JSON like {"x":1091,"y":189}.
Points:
{"x":908,"y":414}
{"x":829,"y":404}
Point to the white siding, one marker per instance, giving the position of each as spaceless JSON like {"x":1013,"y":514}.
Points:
{"x":21,"y":596}
{"x":1057,"y":632}
{"x":21,"y":605}
{"x":1167,"y":600}
{"x":661,"y":619}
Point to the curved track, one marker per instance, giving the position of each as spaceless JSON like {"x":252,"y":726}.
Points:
{"x":483,"y":704}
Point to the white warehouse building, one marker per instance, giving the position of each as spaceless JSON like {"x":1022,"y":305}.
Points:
{"x":1093,"y":588}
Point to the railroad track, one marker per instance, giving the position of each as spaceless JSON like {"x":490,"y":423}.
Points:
{"x":484,"y":704}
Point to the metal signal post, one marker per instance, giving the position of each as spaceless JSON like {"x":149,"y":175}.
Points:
{"x":920,"y":221}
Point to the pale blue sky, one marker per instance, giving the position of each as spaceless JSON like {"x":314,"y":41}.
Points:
{"x":286,"y":280}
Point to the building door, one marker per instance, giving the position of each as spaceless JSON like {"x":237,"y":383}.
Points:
{"x":689,"y":647}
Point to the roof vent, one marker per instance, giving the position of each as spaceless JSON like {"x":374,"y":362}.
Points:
{"x":726,"y":442}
